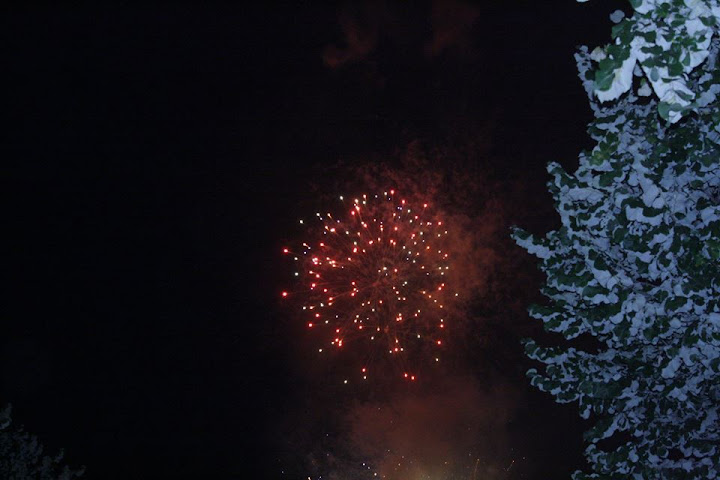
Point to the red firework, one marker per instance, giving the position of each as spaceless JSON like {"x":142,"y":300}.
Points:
{"x":377,"y":276}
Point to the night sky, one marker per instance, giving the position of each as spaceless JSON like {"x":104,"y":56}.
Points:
{"x":158,"y":158}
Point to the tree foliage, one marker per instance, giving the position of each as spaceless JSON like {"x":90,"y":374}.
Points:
{"x":636,"y":263}
{"x":21,"y":456}
{"x":666,"y":40}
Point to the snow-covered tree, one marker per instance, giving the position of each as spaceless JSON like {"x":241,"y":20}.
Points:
{"x":636,"y":263}
{"x":21,"y":456}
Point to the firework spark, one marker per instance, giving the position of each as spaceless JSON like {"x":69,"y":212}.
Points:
{"x":377,"y":275}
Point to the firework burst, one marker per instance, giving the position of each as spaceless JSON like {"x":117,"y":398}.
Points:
{"x":376,"y":277}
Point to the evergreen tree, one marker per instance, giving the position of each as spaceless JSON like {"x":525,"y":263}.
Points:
{"x":636,"y":263}
{"x":21,"y":456}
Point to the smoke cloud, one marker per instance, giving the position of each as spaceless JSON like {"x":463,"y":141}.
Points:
{"x":457,"y":430}
{"x":365,"y":24}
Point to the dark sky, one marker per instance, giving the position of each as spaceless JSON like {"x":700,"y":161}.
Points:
{"x":155,"y":158}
